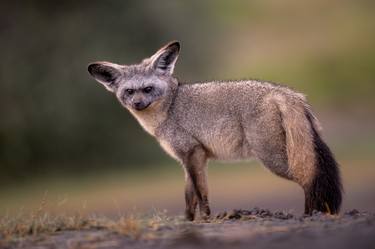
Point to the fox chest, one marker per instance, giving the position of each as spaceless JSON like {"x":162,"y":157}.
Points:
{"x":149,"y":120}
{"x":167,"y":147}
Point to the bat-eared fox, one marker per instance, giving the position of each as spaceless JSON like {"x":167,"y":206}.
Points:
{"x":226,"y":120}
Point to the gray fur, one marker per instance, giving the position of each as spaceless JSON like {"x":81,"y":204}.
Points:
{"x":233,"y":120}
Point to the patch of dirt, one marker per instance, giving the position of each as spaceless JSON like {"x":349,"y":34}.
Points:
{"x":255,"y":228}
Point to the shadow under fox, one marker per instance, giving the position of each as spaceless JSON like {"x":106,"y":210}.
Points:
{"x":233,"y":120}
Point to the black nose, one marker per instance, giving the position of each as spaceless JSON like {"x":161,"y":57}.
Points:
{"x":138,"y":104}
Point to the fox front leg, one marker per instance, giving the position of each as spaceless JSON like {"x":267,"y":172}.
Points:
{"x":196,"y":185}
{"x":191,"y":199}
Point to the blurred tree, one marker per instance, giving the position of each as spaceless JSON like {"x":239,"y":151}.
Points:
{"x":54,"y":117}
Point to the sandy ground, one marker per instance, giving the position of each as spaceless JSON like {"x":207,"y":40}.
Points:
{"x":255,"y":228}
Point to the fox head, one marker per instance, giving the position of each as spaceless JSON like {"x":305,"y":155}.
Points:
{"x":140,"y":87}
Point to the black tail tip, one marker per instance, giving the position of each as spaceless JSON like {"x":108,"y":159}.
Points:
{"x":328,"y":202}
{"x":324,"y":193}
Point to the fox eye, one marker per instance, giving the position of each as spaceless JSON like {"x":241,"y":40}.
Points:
{"x":147,"y":89}
{"x":130,"y":91}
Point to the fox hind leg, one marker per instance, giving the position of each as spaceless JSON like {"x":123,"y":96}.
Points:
{"x":288,"y":143}
{"x":268,"y":142}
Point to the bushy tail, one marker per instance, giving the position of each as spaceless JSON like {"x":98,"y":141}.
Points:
{"x":311,"y":163}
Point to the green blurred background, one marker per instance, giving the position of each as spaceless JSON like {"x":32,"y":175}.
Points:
{"x":63,"y":134}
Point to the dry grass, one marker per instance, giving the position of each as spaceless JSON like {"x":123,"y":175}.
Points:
{"x":45,"y":223}
{"x":42,"y":221}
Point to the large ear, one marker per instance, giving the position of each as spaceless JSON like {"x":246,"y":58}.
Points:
{"x":106,"y":73}
{"x":164,"y":60}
